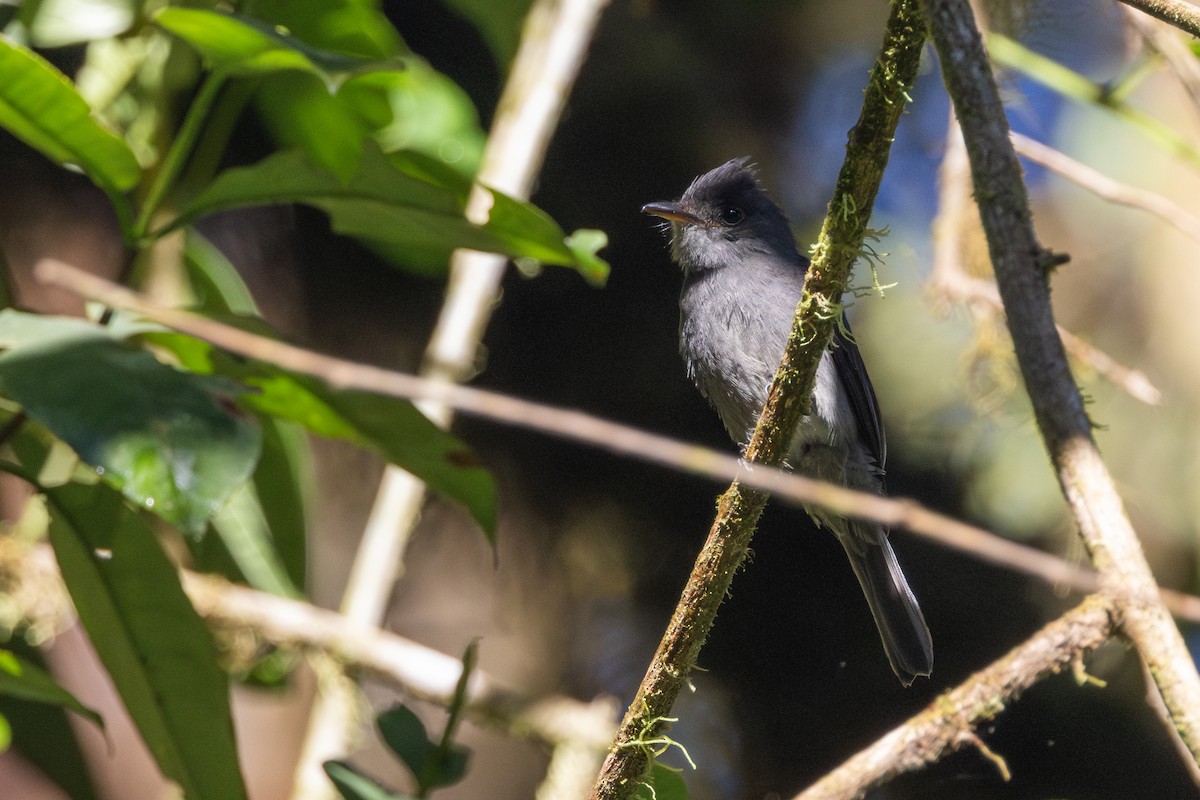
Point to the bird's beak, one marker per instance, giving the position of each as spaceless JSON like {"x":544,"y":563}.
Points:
{"x":672,"y":212}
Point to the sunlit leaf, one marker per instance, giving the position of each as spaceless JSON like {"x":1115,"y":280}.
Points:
{"x":40,"y":106}
{"x":172,"y":442}
{"x":357,"y":27}
{"x":393,"y":428}
{"x":353,"y":785}
{"x":389,"y":203}
{"x":244,"y":46}
{"x":156,"y":649}
{"x":27,"y":681}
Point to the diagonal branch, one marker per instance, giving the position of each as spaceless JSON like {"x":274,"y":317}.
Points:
{"x":1182,"y":15}
{"x":949,"y":723}
{"x":739,"y":508}
{"x":895,"y":513}
{"x":1022,"y":266}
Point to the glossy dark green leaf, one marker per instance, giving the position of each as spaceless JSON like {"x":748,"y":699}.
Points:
{"x":245,"y":46}
{"x":405,"y":735}
{"x":40,"y":106}
{"x":389,"y":202}
{"x":27,"y":681}
{"x":393,"y":428}
{"x":173,"y":442}
{"x":156,"y":649}
{"x":353,"y":785}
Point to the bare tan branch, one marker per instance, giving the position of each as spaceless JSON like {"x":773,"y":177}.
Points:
{"x":950,"y":722}
{"x":897,"y":513}
{"x":1022,"y":268}
{"x":1107,"y":188}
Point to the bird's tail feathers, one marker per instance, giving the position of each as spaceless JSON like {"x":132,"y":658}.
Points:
{"x":901,"y":624}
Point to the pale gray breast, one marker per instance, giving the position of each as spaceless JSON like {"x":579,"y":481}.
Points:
{"x":733,"y":330}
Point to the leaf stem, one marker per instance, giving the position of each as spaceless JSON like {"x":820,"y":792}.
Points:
{"x":181,"y":149}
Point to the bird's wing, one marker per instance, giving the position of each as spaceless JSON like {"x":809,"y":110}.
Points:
{"x":853,"y":374}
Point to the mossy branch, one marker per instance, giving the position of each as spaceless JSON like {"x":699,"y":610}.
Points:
{"x":739,"y":509}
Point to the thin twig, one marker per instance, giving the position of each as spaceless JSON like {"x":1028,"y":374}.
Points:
{"x":949,"y":281}
{"x":1134,"y":382}
{"x":949,"y":723}
{"x":1184,"y":16}
{"x":31,"y":577}
{"x":1105,"y":187}
{"x":1170,"y":45}
{"x":896,"y":513}
{"x":421,"y":671}
{"x":1022,"y":268}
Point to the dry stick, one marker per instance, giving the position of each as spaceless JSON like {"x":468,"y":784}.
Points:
{"x":422,"y":671}
{"x":1022,"y":266}
{"x":949,"y":281}
{"x":789,"y":399}
{"x":1170,"y":45}
{"x":948,"y":723}
{"x":1105,"y":187}
{"x":1184,"y":16}
{"x":554,"y":41}
{"x":622,"y":439}
{"x":1133,"y":382}
{"x":34,"y":589}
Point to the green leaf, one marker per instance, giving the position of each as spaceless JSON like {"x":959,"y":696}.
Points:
{"x":40,"y":106}
{"x":245,"y":46}
{"x":284,"y":482}
{"x":353,"y":785}
{"x":433,"y":765}
{"x":214,"y":279}
{"x":43,"y":736}
{"x":394,"y":203}
{"x":27,"y":681}
{"x":242,"y":526}
{"x":156,"y":649}
{"x":301,"y":113}
{"x":419,"y":110}
{"x":173,"y":442}
{"x":405,"y":735}
{"x":358,"y":27}
{"x":394,"y":428}
{"x":391,"y":427}
{"x":663,"y":783}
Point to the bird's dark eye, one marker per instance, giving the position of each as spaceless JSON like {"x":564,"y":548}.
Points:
{"x":732,"y":215}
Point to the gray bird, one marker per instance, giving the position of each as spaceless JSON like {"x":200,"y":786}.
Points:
{"x":742,"y":280}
